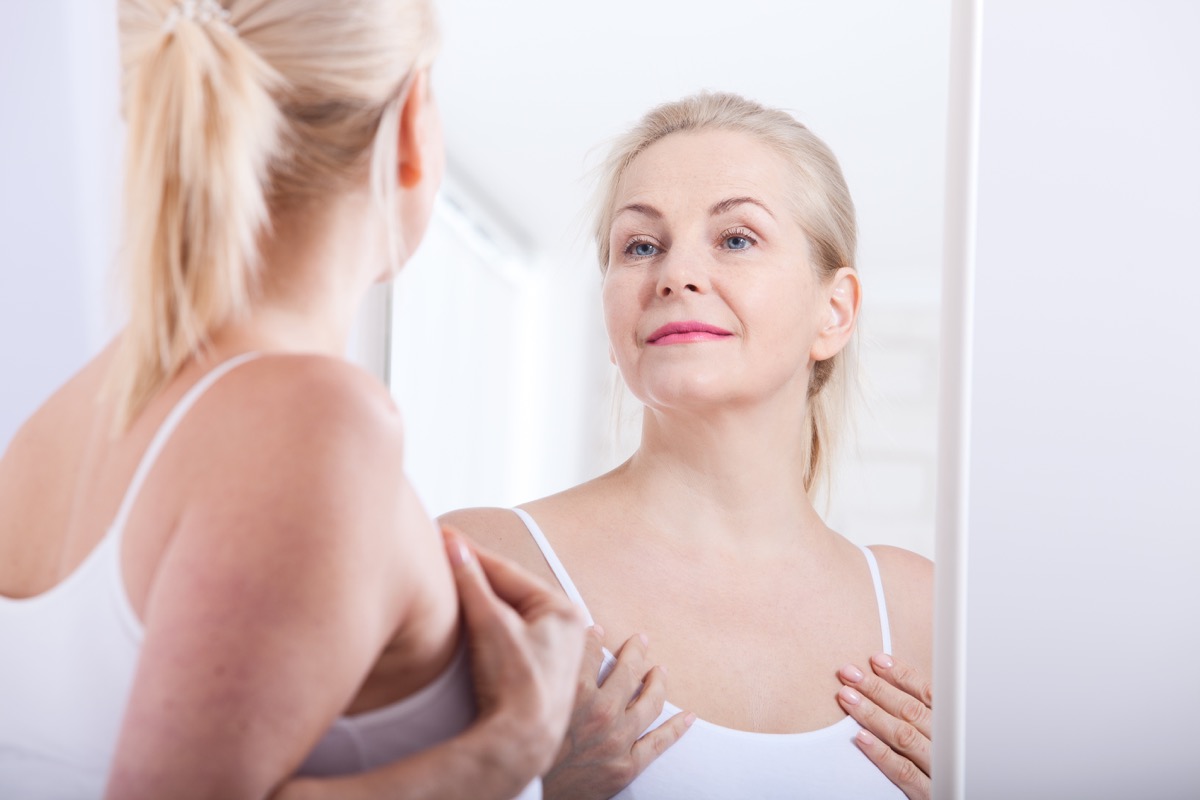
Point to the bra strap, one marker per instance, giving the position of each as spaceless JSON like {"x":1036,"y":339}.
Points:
{"x":556,"y":566}
{"x":163,"y":434}
{"x":879,"y":599}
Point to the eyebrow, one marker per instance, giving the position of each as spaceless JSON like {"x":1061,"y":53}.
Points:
{"x":733,"y":202}
{"x":718,"y":208}
{"x":639,"y":208}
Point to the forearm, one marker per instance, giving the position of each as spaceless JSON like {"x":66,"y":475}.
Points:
{"x":486,"y":762}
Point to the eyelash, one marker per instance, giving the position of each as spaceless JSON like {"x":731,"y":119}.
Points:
{"x":634,"y":242}
{"x":739,"y":232}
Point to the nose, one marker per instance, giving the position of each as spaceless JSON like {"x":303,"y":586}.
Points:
{"x":681,"y":272}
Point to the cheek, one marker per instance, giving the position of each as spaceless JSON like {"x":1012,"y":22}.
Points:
{"x":620,"y":313}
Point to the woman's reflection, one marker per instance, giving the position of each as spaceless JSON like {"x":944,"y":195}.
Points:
{"x":726,"y":238}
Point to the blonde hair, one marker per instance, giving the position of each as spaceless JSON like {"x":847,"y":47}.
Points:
{"x":231,"y":118}
{"x":823,"y":208}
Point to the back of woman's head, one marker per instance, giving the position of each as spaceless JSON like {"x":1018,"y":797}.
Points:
{"x":820,"y":200}
{"x":238,"y":110}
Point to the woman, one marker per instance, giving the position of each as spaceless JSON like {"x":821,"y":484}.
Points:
{"x":214,"y":572}
{"x":726,"y":239}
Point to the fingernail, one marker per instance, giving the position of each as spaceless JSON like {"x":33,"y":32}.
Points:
{"x":663,"y":668}
{"x":689,"y":719}
{"x":645,"y":639}
{"x":849,"y":695}
{"x":864,"y":737}
{"x":456,"y":549}
{"x":851,"y":673}
{"x":883,"y":661}
{"x":599,"y":631}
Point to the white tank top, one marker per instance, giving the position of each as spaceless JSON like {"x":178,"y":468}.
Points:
{"x":712,"y":762}
{"x":67,"y":661}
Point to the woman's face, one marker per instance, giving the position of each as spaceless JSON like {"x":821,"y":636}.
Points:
{"x":710,"y":297}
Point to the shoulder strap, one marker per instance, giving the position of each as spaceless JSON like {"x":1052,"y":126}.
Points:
{"x":163,"y":434}
{"x":879,"y":599}
{"x":555,"y":564}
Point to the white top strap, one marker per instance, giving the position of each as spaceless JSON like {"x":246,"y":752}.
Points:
{"x":556,"y":565}
{"x":164,"y":433}
{"x":879,"y":599}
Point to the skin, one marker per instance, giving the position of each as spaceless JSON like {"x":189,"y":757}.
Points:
{"x":279,"y":560}
{"x":707,"y":524}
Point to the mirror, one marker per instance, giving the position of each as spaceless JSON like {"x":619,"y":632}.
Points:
{"x":507,"y":280}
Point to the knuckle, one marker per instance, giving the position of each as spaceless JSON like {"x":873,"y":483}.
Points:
{"x":618,"y":773}
{"x":926,"y":694}
{"x":907,"y":773}
{"x":906,"y":737}
{"x":628,"y":673}
{"x":913,"y":710}
{"x":585,"y":686}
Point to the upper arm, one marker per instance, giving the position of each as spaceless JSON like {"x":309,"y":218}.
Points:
{"x":282,"y":582}
{"x":908,"y":588}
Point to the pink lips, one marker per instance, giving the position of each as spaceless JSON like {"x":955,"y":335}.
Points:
{"x":685,"y":332}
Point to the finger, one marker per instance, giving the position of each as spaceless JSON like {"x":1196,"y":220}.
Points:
{"x":903,"y":676}
{"x":479,"y":602}
{"x":893,"y":700}
{"x":593,"y":657}
{"x":901,"y":736}
{"x":655,"y":743}
{"x":520,"y":589}
{"x":630,"y":668}
{"x":899,"y":770}
{"x":646,"y":707}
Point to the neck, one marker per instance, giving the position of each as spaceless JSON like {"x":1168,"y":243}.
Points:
{"x":317,"y":263}
{"x":737,"y":476}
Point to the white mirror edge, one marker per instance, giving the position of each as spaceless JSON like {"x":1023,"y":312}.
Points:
{"x":954,"y":407}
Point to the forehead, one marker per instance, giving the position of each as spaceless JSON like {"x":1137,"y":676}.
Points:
{"x":698,"y":168}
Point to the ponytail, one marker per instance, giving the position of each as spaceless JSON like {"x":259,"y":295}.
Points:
{"x":202,"y":130}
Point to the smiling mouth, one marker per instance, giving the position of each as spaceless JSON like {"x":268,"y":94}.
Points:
{"x":685,"y":332}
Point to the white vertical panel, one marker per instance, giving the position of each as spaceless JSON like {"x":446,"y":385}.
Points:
{"x":954,"y":404}
{"x":1084,"y":534}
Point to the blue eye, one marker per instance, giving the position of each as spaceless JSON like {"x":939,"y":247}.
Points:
{"x":641,"y":249}
{"x":737,"y":243}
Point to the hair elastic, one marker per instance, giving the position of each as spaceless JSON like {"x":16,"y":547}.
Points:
{"x":199,"y":11}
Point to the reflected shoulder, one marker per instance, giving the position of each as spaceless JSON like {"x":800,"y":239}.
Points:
{"x":500,"y":531}
{"x":496,"y":529}
{"x":908,"y":587}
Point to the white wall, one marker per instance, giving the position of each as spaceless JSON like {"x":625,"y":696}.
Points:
{"x":59,"y":152}
{"x":1084,"y":540}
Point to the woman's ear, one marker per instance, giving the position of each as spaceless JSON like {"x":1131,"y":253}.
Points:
{"x":842,"y":297}
{"x":417,"y":132}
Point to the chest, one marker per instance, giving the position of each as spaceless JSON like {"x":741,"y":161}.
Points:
{"x":745,"y":650}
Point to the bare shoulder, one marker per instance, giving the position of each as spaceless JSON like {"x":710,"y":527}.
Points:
{"x":904,"y":568}
{"x":320,"y":392}
{"x":310,"y":447}
{"x":297,"y":417}
{"x":908,"y":588}
{"x":501,"y":531}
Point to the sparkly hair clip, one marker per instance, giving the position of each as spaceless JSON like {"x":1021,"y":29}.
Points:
{"x":202,"y":12}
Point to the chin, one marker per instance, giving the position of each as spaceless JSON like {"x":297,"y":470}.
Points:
{"x":692,"y":393}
